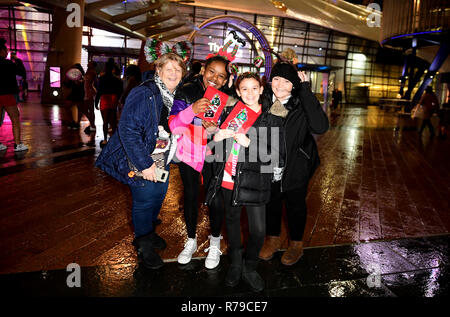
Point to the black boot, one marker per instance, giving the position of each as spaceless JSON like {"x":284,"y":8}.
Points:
{"x":145,"y":248}
{"x":158,"y":242}
{"x":156,"y":222}
{"x":251,"y":277}
{"x":235,"y":270}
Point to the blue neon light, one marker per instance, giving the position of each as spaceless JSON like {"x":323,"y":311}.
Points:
{"x":411,"y":34}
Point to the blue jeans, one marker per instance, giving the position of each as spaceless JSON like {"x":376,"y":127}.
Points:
{"x":147,"y":202}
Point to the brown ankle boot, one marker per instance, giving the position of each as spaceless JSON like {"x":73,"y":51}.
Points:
{"x":293,"y":253}
{"x":271,"y":245}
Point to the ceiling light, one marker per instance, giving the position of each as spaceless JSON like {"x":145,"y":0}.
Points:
{"x":359,"y":57}
{"x":279,"y":5}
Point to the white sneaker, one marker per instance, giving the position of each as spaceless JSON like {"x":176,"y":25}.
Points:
{"x":20,"y":147}
{"x":3,"y":147}
{"x":214,"y":253}
{"x":189,"y":248}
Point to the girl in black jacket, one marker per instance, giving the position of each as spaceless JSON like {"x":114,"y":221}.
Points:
{"x":239,"y":181}
{"x":298,"y":114}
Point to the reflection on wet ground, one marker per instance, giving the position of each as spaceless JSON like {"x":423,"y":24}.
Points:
{"x":370,"y":269}
{"x":378,"y":199}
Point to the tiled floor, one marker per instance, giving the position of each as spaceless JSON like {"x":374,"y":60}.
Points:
{"x":375,"y":184}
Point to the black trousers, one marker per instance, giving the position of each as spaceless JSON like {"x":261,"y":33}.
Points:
{"x":427,"y":123}
{"x":295,"y":211}
{"x":256,"y":224}
{"x":191,"y":183}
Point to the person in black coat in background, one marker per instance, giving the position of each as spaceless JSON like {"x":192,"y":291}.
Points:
{"x":110,"y":88}
{"x":8,"y":92}
{"x":297,"y":113}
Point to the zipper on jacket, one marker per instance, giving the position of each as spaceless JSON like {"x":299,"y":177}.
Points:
{"x":307,"y":156}
{"x":286,"y":151}
{"x":215,"y":185}
{"x":236,"y":183}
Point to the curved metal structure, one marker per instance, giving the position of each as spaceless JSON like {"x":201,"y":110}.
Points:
{"x":426,"y":21}
{"x":413,"y":25}
{"x":241,"y":23}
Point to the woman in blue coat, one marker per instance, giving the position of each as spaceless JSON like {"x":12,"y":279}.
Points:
{"x":140,"y":146}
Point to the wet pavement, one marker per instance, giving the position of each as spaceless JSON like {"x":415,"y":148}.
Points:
{"x":378,"y":217}
{"x":413,"y":267}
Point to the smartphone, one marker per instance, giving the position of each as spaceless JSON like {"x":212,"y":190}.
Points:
{"x":161,"y":175}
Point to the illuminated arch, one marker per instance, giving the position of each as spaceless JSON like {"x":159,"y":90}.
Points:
{"x":241,"y":23}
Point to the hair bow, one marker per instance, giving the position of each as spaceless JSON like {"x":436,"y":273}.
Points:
{"x":154,"y":49}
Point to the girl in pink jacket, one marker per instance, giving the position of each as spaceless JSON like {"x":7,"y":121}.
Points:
{"x":191,"y":152}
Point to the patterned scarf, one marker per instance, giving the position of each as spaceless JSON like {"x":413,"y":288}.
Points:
{"x":166,"y":95}
{"x":278,"y":108}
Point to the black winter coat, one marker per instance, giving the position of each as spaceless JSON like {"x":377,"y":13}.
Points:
{"x":305,"y":117}
{"x":251,"y":186}
{"x":193,"y":90}
{"x":8,"y":82}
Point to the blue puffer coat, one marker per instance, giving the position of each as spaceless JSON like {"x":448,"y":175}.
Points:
{"x":135,"y":137}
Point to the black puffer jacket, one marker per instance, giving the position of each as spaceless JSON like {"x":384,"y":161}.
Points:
{"x":8,"y":82}
{"x":251,"y":186}
{"x":305,"y":117}
{"x":193,"y":90}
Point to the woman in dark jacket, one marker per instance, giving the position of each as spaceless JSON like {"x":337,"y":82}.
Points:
{"x":130,"y":155}
{"x":239,"y":180}
{"x":8,"y":91}
{"x":109,"y":90}
{"x":75,"y":99}
{"x":297,"y":113}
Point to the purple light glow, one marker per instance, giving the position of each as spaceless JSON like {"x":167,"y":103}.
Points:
{"x":239,"y":22}
{"x":55,"y":77}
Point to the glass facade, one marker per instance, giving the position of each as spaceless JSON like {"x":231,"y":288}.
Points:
{"x":355,"y":69}
{"x":353,"y":63}
{"x":27,"y":32}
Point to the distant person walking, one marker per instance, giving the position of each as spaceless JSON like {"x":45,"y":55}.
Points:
{"x":430,"y":105}
{"x":336,"y":99}
{"x":110,"y":89}
{"x":8,"y":90}
{"x":90,"y":82}
{"x":133,"y":78}
{"x":74,"y":82}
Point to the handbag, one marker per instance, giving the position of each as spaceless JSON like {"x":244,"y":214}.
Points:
{"x":418,"y":112}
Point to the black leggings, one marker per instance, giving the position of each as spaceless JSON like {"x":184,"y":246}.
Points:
{"x":191,"y":183}
{"x":427,"y":123}
{"x":295,"y":211}
{"x":109,"y":117}
{"x":256,"y":224}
